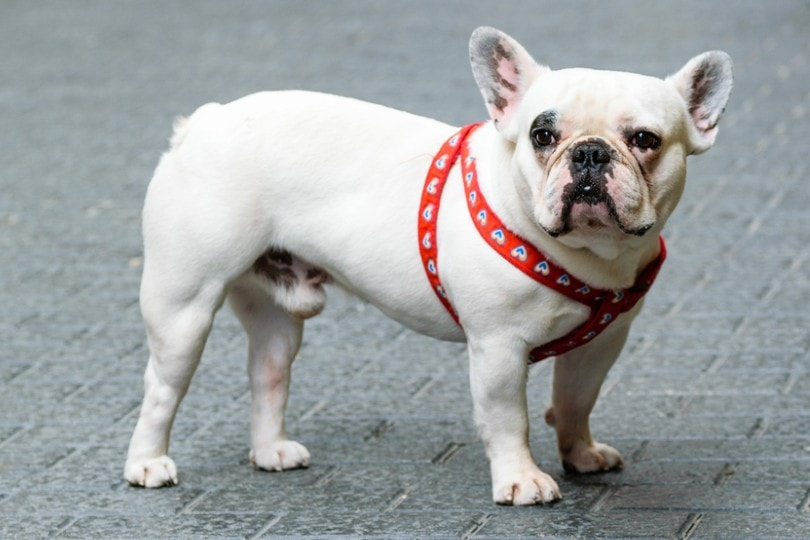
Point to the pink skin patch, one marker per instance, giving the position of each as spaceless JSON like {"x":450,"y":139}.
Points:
{"x":590,"y":215}
{"x":505,"y":84}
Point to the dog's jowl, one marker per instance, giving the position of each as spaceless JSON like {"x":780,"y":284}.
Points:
{"x":532,"y":235}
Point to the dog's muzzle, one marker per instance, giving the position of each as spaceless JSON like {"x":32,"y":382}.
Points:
{"x":590,"y":164}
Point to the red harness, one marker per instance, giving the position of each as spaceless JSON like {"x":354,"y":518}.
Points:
{"x":606,"y":305}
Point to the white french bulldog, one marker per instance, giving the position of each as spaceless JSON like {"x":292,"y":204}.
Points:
{"x":264,"y":200}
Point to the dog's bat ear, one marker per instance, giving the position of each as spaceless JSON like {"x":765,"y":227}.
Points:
{"x":705,"y":84}
{"x":504,"y":71}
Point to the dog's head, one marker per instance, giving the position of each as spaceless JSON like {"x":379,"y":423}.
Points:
{"x":602,"y":153}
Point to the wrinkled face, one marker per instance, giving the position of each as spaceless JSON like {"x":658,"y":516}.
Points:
{"x":602,"y":153}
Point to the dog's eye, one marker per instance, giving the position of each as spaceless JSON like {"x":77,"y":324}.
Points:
{"x":645,"y":140}
{"x":543,"y":137}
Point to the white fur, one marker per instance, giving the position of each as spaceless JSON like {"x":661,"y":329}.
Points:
{"x":336,"y":183}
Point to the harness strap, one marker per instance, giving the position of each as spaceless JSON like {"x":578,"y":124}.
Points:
{"x":437,"y":175}
{"x":606,"y":305}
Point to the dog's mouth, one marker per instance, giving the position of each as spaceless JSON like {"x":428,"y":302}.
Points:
{"x":587,"y":206}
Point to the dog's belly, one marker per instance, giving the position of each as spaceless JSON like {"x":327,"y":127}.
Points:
{"x":334,"y":182}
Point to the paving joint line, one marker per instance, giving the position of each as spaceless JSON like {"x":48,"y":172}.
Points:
{"x":426,"y":383}
{"x":642,"y":452}
{"x":682,"y":402}
{"x":728,"y":472}
{"x":312,"y":411}
{"x":804,"y":506}
{"x":193,"y":503}
{"x":329,"y":474}
{"x":397,"y":500}
{"x":759,"y":429}
{"x":689,"y":526}
{"x":133,"y":410}
{"x":601,"y":499}
{"x":61,"y":458}
{"x":476,"y":525}
{"x":267,"y":526}
{"x":717,"y":362}
{"x":77,"y":391}
{"x":25,"y":369}
{"x":609,"y":384}
{"x":383,"y":427}
{"x":66,"y":524}
{"x":17,"y":433}
{"x":790,"y":382}
{"x":447,"y":453}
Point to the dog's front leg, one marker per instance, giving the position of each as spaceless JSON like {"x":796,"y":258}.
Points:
{"x":578,"y":377}
{"x":498,"y":371}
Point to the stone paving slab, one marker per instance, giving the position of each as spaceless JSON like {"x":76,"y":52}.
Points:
{"x":710,"y":402}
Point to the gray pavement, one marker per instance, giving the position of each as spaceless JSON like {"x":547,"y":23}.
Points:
{"x":710,"y":403}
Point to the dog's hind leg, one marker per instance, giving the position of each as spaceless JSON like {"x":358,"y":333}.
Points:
{"x":274,"y":339}
{"x":178,"y":313}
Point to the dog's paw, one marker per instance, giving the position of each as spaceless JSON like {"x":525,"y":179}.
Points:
{"x":280,"y":456}
{"x":595,"y":458}
{"x":151,"y":473}
{"x":533,"y":487}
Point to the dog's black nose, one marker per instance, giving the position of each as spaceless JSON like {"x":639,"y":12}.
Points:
{"x":589,"y":166}
{"x":590,"y":157}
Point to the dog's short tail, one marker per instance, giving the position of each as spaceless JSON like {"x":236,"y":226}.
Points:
{"x":180,"y":131}
{"x":182,"y":124}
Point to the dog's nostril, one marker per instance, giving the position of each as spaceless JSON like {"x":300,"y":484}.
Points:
{"x":590,"y":154}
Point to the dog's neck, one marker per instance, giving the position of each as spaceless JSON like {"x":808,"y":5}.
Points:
{"x":602,"y":263}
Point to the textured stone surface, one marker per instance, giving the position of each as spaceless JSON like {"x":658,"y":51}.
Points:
{"x":710,"y":403}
